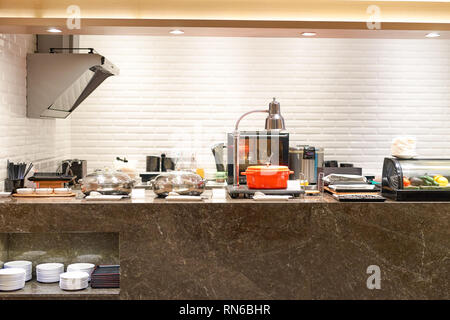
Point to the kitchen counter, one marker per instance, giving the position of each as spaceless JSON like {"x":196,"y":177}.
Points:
{"x":308,"y":248}
{"x":150,"y":198}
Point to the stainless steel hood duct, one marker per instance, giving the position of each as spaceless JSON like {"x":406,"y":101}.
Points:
{"x":57,"y":81}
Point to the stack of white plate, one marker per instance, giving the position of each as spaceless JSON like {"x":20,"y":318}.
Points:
{"x":86,"y":267}
{"x":12,"y":279}
{"x":74,"y":280}
{"x":25,"y":265}
{"x":49,"y":272}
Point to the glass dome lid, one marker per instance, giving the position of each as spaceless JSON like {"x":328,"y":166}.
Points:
{"x":107,"y":176}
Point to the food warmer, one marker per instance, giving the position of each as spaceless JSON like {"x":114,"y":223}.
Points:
{"x":416,"y":179}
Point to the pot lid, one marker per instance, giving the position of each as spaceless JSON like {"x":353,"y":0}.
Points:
{"x":268,"y":168}
{"x":107,"y":177}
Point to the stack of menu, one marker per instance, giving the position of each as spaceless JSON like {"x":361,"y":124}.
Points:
{"x":106,"y":276}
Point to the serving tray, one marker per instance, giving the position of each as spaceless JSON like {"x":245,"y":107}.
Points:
{"x":106,"y":276}
{"x":356,"y":191}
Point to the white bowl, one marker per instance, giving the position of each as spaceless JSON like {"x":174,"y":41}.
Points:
{"x":62,"y":190}
{"x":44,"y":190}
{"x":25,"y":190}
{"x":4,"y":194}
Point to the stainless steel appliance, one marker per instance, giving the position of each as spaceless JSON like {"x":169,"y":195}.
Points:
{"x":167,"y":164}
{"x":217,"y":151}
{"x":74,"y":167}
{"x":305,"y":159}
{"x":60,"y":76}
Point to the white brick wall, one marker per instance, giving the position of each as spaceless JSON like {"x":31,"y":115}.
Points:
{"x":42,"y":142}
{"x":351,"y":96}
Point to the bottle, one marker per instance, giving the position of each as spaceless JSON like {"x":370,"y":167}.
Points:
{"x":194,"y":166}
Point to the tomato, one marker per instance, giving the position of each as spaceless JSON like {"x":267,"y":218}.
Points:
{"x":406,"y":182}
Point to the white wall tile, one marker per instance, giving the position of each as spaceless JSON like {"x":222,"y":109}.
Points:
{"x":351,"y":96}
{"x":43,"y":142}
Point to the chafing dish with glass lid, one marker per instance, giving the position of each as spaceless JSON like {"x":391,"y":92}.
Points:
{"x":107,"y":182}
{"x":182,"y":182}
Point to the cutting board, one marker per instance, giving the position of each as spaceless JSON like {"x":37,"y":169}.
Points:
{"x":44,"y":195}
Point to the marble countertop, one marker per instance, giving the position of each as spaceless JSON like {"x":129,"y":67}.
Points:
{"x":307,"y":248}
{"x":149,"y":197}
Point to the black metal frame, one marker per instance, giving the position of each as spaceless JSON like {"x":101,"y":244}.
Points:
{"x":91,"y":50}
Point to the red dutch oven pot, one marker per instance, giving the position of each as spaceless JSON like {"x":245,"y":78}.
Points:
{"x":267,"y":177}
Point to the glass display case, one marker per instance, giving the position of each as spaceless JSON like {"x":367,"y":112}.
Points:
{"x":257,"y":148}
{"x":416,"y":179}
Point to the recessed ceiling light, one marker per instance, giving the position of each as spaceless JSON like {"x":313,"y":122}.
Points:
{"x":176,"y":31}
{"x":432,"y":35}
{"x":309,"y":34}
{"x":54,"y":30}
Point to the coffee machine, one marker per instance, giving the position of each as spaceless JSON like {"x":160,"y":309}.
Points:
{"x":305,"y":161}
{"x":74,"y":167}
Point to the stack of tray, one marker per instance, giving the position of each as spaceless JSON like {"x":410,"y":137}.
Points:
{"x":106,"y":276}
{"x":50,"y":179}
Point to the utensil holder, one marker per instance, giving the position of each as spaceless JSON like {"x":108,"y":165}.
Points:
{"x":13,"y":185}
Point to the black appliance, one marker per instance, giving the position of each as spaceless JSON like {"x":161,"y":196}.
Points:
{"x":416,"y":179}
{"x":159,"y":164}
{"x":74,"y":167}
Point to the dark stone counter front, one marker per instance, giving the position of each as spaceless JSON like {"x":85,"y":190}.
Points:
{"x":242,"y":249}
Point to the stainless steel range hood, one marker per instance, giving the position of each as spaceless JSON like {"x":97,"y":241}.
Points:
{"x":57,"y":82}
